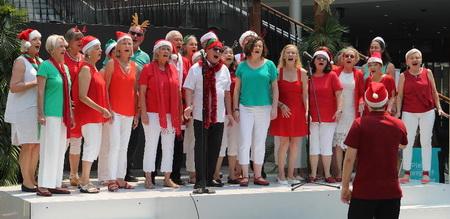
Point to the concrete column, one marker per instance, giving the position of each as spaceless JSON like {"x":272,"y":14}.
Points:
{"x":295,"y":12}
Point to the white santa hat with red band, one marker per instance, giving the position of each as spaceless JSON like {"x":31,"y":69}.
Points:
{"x":381,"y":41}
{"x":87,"y":42}
{"x":245,"y":35}
{"x":208,"y":36}
{"x":322,"y":53}
{"x":160,"y":43}
{"x":375,"y":57}
{"x":376,"y":95}
{"x":412,"y":51}
{"x":121,"y":36}
{"x":197,"y":55}
{"x":27,"y":35}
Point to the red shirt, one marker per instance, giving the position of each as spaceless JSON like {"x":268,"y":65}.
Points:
{"x":147,"y":75}
{"x":325,"y":88}
{"x":376,"y":137}
{"x":359,"y":87}
{"x":388,"y":82}
{"x":417,"y":93}
{"x":122,"y":91}
{"x":97,"y":93}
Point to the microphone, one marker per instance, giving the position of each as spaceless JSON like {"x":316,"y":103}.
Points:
{"x":307,"y":55}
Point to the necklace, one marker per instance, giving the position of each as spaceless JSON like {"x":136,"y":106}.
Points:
{"x":75,"y":59}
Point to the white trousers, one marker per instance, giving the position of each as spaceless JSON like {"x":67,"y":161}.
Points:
{"x":230,"y":139}
{"x":256,"y":120}
{"x":152,"y":132}
{"x":102,"y":164}
{"x":321,"y":141}
{"x":74,"y":145}
{"x":189,"y":145}
{"x":119,"y":136}
{"x":51,"y":152}
{"x":92,"y":134}
{"x":425,"y":122}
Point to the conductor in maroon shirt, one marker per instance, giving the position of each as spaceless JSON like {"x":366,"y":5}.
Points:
{"x":374,"y":140}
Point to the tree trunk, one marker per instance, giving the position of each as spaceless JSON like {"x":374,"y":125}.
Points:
{"x":255,"y":17}
{"x":320,"y":17}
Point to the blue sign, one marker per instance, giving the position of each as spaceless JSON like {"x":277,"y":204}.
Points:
{"x":416,"y":165}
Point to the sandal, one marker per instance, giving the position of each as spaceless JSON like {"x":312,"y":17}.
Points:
{"x":59,"y":191}
{"x":261,"y":181}
{"x":113,"y":186}
{"x":89,"y":188}
{"x":148,"y":184}
{"x":43,"y":192}
{"x":171,"y":184}
{"x":126,"y":186}
{"x":74,"y":180}
{"x":243,"y":182}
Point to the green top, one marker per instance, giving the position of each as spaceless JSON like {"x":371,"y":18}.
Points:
{"x":141,"y":58}
{"x":53,"y":93}
{"x":256,"y":84}
{"x":366,"y":72}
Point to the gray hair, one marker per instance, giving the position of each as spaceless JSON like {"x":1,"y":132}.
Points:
{"x":52,"y":42}
{"x":172,"y":33}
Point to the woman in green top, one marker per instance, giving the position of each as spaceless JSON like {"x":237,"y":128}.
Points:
{"x":54,"y":116}
{"x":255,"y":104}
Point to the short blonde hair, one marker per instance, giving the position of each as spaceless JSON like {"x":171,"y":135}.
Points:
{"x":350,"y":49}
{"x":282,"y":62}
{"x":52,"y":42}
{"x":171,"y":34}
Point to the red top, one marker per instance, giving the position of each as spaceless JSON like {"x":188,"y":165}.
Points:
{"x":325,"y":88}
{"x":74,"y":69}
{"x":122,"y":89}
{"x":291,"y":94}
{"x":376,"y":170}
{"x":417,"y":93}
{"x":359,"y":87}
{"x":147,"y":75}
{"x":388,"y":82}
{"x":97,"y":93}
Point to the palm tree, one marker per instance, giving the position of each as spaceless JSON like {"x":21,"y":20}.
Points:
{"x":11,"y":21}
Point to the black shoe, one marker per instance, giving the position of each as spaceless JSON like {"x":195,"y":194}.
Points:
{"x":178,"y":181}
{"x":130,"y":178}
{"x":26,"y":189}
{"x":215,"y":183}
{"x":198,"y":185}
{"x":233,"y":181}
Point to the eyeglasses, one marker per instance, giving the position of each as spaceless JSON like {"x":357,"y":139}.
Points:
{"x":136,"y":33}
{"x":321,"y":58}
{"x":349,"y":56}
{"x":217,"y":49}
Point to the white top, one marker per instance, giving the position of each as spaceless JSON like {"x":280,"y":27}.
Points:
{"x":348,"y":103}
{"x":177,"y":60}
{"x":238,"y":57}
{"x":194,"y":81}
{"x":19,"y":102}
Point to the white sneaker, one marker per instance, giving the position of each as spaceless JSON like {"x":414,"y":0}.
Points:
{"x":282,"y":182}
{"x":293,"y":181}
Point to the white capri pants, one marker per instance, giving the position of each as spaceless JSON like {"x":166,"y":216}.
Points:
{"x":152,"y":131}
{"x":92,"y":134}
{"x":425,"y":122}
{"x":102,"y":164}
{"x":321,"y":141}
{"x":230,"y":139}
{"x":74,"y":145}
{"x":51,"y":152}
{"x":189,"y":145}
{"x":119,"y":136}
{"x":255,"y":119}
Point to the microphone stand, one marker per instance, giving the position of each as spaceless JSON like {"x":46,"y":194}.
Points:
{"x":295,"y":186}
{"x":203,"y":189}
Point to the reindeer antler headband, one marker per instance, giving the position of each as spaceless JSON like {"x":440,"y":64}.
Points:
{"x":135,"y":22}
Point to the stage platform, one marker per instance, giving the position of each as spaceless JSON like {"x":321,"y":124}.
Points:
{"x":272,"y":202}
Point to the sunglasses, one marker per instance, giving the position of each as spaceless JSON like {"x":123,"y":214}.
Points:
{"x":349,"y":56}
{"x":136,"y":33}
{"x":217,"y":49}
{"x":321,"y":58}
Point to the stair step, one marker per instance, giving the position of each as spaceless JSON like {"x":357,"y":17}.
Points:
{"x":425,"y":211}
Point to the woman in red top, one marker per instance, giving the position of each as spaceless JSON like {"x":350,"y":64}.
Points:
{"x":375,"y":64}
{"x":90,"y":108}
{"x":290,"y":123}
{"x":417,"y":99}
{"x":325,"y":104}
{"x":73,"y":58}
{"x":160,"y":108}
{"x":189,"y":47}
{"x":352,"y":101}
{"x":120,"y":76}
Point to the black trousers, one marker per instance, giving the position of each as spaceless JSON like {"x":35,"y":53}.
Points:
{"x":378,"y":209}
{"x":206,"y":163}
{"x":177,"y":158}
{"x":137,"y":140}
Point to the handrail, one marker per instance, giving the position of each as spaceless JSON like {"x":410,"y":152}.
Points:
{"x":444,"y":98}
{"x":278,"y":13}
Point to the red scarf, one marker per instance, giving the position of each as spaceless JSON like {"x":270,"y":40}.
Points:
{"x":209,"y":92}
{"x":35,"y":62}
{"x":174,"y":95}
{"x":66,"y":104}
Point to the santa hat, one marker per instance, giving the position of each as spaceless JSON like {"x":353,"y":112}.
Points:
{"x":375,"y":57}
{"x":245,"y":35}
{"x":88,"y":42}
{"x":376,"y":95}
{"x":196,"y":55}
{"x":381,"y":41}
{"x":109,"y":46}
{"x":208,"y":36}
{"x":213,"y":43}
{"x":27,"y":35}
{"x":161,"y":43}
{"x":322,"y":53}
{"x":121,"y":36}
{"x":412,"y":51}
